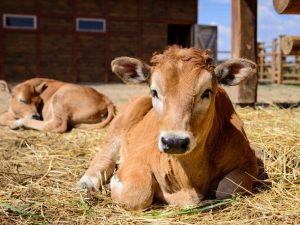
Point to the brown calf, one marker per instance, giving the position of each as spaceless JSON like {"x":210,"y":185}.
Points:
{"x":182,"y":144}
{"x":4,"y":96}
{"x":60,"y":106}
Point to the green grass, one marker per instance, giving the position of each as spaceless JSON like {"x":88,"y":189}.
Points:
{"x":209,"y":205}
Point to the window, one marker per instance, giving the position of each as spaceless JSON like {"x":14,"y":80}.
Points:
{"x":19,"y":21}
{"x":90,"y":25}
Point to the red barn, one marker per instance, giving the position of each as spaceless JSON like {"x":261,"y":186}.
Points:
{"x":75,"y":40}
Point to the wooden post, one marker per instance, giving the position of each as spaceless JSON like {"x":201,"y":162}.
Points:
{"x":281,"y":60}
{"x":261,"y":60}
{"x":274,"y":60}
{"x":297,"y":69}
{"x":243,"y":44}
{"x":290,"y":45}
{"x":287,"y":6}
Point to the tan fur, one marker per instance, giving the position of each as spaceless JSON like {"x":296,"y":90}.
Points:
{"x":61,"y":106}
{"x":4,"y":96}
{"x":221,"y":163}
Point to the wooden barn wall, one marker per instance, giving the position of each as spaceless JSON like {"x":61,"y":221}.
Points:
{"x":20,"y":59}
{"x":56,"y":50}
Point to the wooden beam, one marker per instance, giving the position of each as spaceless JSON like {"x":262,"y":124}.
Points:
{"x":244,"y":45}
{"x":290,"y":45}
{"x":287,"y":6}
{"x":2,"y":75}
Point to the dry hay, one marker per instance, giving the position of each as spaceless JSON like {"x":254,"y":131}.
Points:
{"x":39,"y":170}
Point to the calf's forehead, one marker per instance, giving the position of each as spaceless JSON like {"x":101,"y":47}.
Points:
{"x":181,"y":79}
{"x":24,"y":91}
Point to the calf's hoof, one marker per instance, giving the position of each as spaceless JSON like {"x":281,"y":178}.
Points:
{"x":89,"y":183}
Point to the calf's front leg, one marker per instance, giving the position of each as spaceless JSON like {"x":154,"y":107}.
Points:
{"x":55,"y":125}
{"x":133,"y":185}
{"x":101,"y":167}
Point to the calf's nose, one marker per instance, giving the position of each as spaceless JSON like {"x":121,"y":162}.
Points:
{"x":36,"y":117}
{"x":175,"y":145}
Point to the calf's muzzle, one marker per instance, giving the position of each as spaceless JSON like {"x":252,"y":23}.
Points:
{"x":175,"y":144}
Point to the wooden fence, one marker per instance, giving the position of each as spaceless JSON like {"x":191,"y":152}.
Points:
{"x":276,"y":67}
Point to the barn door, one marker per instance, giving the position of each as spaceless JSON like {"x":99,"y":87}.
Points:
{"x":179,"y":34}
{"x":205,"y":37}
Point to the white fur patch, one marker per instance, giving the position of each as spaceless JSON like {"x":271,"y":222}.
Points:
{"x":157,"y":102}
{"x":116,"y":185}
{"x":115,"y":149}
{"x":177,"y":134}
{"x":242,"y":75}
{"x":18,"y":123}
{"x":202,"y":105}
{"x":225,"y":72}
{"x":139,"y":70}
{"x":136,"y":79}
{"x":205,"y":82}
{"x":90,"y":183}
{"x":158,"y":105}
{"x":20,"y":98}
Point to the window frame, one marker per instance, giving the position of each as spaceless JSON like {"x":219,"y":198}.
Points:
{"x":78,"y":19}
{"x":6,"y":15}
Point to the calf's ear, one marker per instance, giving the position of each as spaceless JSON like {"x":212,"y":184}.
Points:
{"x":40,"y":88}
{"x":4,"y":87}
{"x":234,"y":71}
{"x":131,"y":70}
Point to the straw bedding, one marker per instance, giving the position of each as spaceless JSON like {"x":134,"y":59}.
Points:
{"x":38,"y":173}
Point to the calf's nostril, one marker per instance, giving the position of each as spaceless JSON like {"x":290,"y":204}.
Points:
{"x":36,"y":117}
{"x":164,"y":141}
{"x":185,"y":143}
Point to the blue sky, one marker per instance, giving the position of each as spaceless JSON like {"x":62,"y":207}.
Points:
{"x":270,"y":24}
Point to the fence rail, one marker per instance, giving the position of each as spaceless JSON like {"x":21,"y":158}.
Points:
{"x":276,"y":67}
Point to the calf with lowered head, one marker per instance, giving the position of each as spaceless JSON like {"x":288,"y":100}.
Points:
{"x":55,"y":106}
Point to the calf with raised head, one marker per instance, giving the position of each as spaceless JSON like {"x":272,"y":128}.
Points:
{"x":182,"y":144}
{"x":55,"y":106}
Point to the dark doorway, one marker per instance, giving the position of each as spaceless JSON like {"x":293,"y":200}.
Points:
{"x":179,"y":34}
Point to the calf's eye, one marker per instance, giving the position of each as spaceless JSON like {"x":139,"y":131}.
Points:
{"x":22,"y":101}
{"x":206,"y":93}
{"x":153,"y":93}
